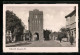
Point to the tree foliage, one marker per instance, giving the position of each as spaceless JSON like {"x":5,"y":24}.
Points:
{"x":63,"y":32}
{"x":63,"y":29}
{"x":46,"y":34}
{"x":13,"y":23}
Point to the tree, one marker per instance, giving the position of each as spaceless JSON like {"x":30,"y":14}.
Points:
{"x":13,"y":22}
{"x":63,"y":29}
{"x":64,"y":32}
{"x":46,"y":34}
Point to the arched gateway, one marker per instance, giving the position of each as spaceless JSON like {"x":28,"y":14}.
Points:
{"x":36,"y":36}
{"x":35,"y":23}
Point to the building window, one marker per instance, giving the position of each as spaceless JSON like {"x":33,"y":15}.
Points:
{"x":75,"y":32}
{"x":72,"y":33}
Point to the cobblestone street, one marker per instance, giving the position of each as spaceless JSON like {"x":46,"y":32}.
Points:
{"x":50,"y":43}
{"x":43,"y":44}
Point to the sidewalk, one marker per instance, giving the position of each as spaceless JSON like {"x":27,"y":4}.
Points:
{"x":66,"y":44}
{"x":17,"y":43}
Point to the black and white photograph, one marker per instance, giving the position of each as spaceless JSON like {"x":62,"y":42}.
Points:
{"x":40,"y":27}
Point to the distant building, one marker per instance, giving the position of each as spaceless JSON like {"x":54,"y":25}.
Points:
{"x":8,"y":36}
{"x":51,"y":36}
{"x":71,"y":23}
{"x":35,"y":23}
{"x":26,"y":34}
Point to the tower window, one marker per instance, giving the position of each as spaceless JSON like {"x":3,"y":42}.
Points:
{"x":36,"y":16}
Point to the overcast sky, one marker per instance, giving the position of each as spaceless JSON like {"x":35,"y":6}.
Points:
{"x":54,"y":16}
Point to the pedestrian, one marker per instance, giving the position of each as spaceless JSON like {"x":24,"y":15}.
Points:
{"x":60,"y":37}
{"x":71,"y":39}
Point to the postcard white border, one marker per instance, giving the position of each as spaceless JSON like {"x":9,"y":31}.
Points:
{"x":39,"y":49}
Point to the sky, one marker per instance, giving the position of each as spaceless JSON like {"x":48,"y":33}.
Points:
{"x":53,"y":16}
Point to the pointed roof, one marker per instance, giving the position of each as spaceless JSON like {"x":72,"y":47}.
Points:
{"x":72,"y":13}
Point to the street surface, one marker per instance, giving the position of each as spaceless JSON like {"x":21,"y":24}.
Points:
{"x":50,"y":43}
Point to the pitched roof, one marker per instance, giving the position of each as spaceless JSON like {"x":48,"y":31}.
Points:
{"x":70,"y":14}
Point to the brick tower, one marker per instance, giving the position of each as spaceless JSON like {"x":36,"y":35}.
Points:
{"x":35,"y":23}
